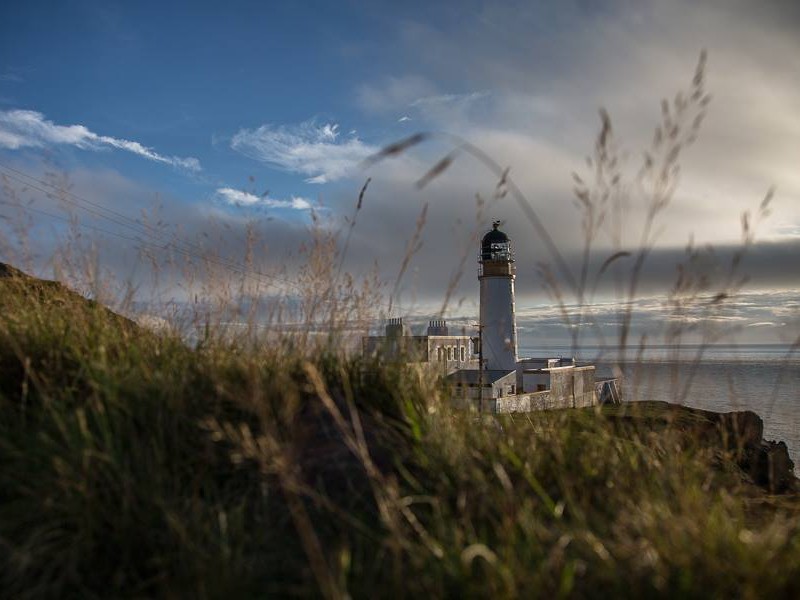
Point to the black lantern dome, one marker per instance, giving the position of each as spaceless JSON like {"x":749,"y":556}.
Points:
{"x":496,"y":245}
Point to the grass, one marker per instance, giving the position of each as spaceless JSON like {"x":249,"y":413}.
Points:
{"x":264,"y":464}
{"x":133,"y":465}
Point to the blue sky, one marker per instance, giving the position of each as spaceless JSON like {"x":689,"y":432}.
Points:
{"x":266,"y":110}
{"x":182,"y":78}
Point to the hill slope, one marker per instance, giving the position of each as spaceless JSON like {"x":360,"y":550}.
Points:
{"x":131,"y":465}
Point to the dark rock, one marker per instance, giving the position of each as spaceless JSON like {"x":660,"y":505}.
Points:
{"x":766,"y":463}
{"x":769,"y":465}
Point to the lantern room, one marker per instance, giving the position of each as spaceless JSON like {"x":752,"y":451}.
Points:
{"x":496,"y":258}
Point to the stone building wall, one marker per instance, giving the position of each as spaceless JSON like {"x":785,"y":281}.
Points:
{"x":561,"y":386}
{"x":584,"y":388}
{"x":571,"y":387}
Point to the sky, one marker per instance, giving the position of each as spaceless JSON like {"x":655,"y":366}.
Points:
{"x":215,"y":120}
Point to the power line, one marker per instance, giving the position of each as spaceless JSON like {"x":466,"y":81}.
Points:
{"x":179,"y":245}
{"x":132,"y":224}
{"x":242,"y":270}
{"x":98,"y":210}
{"x":125,"y":221}
{"x":62,"y":218}
{"x":146,"y":245}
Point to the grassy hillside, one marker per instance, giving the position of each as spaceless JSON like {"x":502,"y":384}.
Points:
{"x":132,"y":465}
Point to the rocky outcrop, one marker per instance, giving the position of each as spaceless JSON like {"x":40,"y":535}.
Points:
{"x":738,"y":434}
{"x":770,"y":466}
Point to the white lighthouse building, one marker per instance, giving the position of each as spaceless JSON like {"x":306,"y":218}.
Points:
{"x":496,"y":273}
{"x":485,"y":372}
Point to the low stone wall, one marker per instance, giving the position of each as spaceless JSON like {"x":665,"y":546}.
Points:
{"x":523,"y":403}
{"x":573,"y":388}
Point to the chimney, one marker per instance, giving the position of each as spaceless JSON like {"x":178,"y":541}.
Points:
{"x":438,"y":328}
{"x":396,"y":328}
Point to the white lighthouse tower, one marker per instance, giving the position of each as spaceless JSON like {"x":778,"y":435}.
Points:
{"x":496,"y":274}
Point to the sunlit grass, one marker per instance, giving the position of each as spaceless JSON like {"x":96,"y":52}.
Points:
{"x":245,"y":451}
{"x":132,"y":464}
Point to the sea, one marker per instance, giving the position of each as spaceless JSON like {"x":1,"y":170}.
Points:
{"x":764,"y":378}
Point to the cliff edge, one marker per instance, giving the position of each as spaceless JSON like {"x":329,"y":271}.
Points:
{"x":740,"y":435}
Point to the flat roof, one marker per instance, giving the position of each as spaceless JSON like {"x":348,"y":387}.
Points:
{"x":472,"y":376}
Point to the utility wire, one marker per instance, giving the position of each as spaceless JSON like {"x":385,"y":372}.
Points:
{"x":138,"y":227}
{"x":62,"y":218}
{"x":144,"y":244}
{"x":157,"y":241}
{"x":176,"y":244}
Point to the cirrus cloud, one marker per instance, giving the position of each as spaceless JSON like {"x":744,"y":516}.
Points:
{"x":30,"y":129}
{"x":309,"y":149}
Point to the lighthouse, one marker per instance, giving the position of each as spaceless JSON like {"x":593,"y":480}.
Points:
{"x":496,"y":274}
{"x":502,"y":382}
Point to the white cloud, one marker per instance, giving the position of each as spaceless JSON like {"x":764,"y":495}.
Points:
{"x":308,"y":149}
{"x":449,"y":99}
{"x":189,"y":163}
{"x":329,"y":132}
{"x":540,"y":119}
{"x":240,"y":198}
{"x":30,"y":129}
{"x":393,"y":93}
{"x":785,"y":230}
{"x":414,"y":98}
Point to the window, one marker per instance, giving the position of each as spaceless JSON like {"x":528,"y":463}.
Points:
{"x":439,"y":353}
{"x":463,"y":353}
{"x":449,"y":353}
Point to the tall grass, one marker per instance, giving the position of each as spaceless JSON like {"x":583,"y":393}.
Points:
{"x":132,"y":465}
{"x":268,"y":461}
